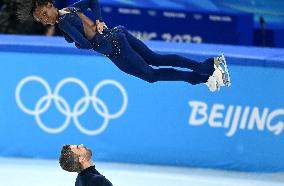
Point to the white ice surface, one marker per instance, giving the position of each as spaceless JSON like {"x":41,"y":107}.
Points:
{"x":33,"y":172}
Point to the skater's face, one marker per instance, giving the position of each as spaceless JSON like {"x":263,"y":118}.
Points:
{"x":46,"y":14}
{"x":82,"y":152}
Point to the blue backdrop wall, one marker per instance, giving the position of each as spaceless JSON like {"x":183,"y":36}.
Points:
{"x":53,"y":94}
{"x":148,"y":21}
{"x":204,"y":21}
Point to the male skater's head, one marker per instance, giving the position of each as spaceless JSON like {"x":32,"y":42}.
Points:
{"x":75,"y":158}
{"x":43,"y":11}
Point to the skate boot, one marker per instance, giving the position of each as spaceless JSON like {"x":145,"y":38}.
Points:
{"x":212,"y":84}
{"x":218,"y":74}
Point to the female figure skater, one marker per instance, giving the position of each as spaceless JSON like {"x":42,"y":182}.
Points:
{"x":128,"y":53}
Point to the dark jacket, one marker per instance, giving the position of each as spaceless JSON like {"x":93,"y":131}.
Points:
{"x":91,"y":177}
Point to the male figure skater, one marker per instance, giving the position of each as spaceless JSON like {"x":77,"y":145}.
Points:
{"x":77,"y":158}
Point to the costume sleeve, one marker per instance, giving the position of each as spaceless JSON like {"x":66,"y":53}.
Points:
{"x":67,"y":38}
{"x":92,"y":4}
{"x":74,"y":34}
{"x":99,"y":180}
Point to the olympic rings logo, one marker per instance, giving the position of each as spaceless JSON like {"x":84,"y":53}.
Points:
{"x":63,"y":107}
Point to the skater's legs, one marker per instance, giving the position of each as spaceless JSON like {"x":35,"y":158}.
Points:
{"x":132,"y":63}
{"x":155,"y":59}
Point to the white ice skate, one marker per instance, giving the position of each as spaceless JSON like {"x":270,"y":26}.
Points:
{"x":223,"y":78}
{"x":218,"y":75}
{"x":212,"y":84}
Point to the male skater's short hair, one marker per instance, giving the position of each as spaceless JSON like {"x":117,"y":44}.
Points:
{"x":68,"y":160}
{"x":26,"y":8}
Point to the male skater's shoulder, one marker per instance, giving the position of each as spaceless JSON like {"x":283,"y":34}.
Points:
{"x":91,"y":177}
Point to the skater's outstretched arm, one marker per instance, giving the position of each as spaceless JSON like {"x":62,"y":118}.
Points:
{"x":84,"y":5}
{"x":92,"y":4}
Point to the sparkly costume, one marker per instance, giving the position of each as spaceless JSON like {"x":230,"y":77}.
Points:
{"x":129,"y":53}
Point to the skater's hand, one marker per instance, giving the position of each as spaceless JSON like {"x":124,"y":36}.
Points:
{"x":100,"y":26}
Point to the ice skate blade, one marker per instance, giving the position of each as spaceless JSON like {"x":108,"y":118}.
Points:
{"x":228,"y":82}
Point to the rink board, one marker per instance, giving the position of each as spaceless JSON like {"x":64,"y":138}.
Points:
{"x":53,"y":94}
